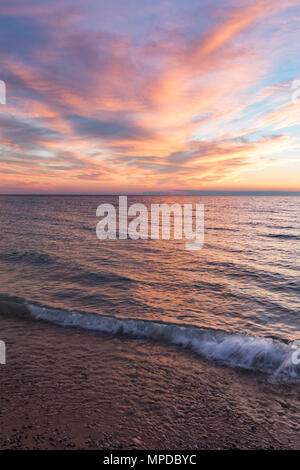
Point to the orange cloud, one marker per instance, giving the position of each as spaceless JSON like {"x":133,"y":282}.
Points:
{"x":100,"y":110}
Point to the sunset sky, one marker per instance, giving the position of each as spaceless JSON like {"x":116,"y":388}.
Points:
{"x":137,"y":96}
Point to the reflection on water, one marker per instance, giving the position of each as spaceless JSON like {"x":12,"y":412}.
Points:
{"x":245,"y":279}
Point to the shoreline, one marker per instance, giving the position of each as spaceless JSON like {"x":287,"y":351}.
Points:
{"x":64,"y":388}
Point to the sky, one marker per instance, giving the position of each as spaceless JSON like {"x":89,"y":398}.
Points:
{"x":137,"y":96}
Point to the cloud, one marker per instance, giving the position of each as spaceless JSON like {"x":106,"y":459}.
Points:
{"x":106,"y":103}
{"x":24,"y":134}
{"x":100,"y":129}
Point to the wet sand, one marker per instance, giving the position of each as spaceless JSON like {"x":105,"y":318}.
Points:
{"x":72,"y":389}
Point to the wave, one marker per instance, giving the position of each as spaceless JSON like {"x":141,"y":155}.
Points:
{"x":27,"y":257}
{"x":263,"y":354}
{"x":222,"y":229}
{"x":282,"y":236}
{"x":94,"y":278}
{"x":13,"y":306}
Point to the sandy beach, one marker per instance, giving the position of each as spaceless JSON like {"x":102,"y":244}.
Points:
{"x":64,"y":388}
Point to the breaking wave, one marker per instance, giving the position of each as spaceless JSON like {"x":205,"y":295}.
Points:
{"x":267,"y":355}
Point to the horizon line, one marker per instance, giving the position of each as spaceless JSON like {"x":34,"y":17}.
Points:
{"x":170,"y":193}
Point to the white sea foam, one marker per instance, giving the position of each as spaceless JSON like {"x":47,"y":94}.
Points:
{"x":236,"y":350}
